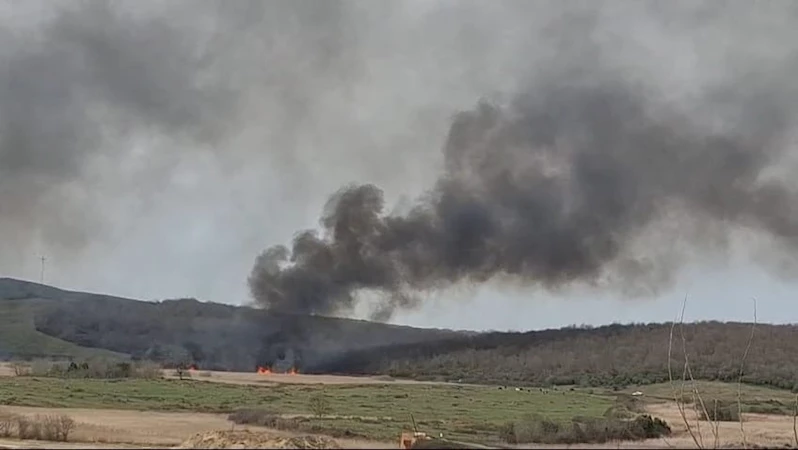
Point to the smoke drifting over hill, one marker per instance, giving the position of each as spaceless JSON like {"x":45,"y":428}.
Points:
{"x":565,"y":182}
{"x":175,"y":140}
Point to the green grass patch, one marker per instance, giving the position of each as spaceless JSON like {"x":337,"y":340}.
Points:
{"x":19,"y":337}
{"x":469,"y":413}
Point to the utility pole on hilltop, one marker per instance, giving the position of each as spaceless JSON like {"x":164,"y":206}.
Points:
{"x":44,"y":261}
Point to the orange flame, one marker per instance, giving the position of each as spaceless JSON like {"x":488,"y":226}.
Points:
{"x":264,"y":370}
{"x":193,"y":367}
{"x":293,"y":371}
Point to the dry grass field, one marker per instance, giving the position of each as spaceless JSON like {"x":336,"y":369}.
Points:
{"x":143,"y":429}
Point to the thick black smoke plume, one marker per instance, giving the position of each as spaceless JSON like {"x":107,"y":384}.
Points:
{"x":586,"y":176}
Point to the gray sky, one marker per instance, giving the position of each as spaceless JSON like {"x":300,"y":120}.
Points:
{"x":154,"y":149}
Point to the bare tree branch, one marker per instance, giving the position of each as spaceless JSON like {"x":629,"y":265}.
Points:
{"x":740,"y":380}
{"x":679,"y":397}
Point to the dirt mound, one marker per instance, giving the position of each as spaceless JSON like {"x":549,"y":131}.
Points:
{"x":249,"y":439}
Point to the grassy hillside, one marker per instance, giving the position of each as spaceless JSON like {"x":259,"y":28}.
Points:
{"x":616,"y":355}
{"x":42,"y":320}
{"x":19,"y":337}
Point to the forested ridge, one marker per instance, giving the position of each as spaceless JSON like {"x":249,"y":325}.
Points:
{"x":225,"y":337}
{"x":182,"y":331}
{"x":609,"y":355}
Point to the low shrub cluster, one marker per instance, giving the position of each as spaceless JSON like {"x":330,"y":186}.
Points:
{"x":49,"y":427}
{"x":583,"y":430}
{"x":102,"y":369}
{"x":255,"y":416}
{"x":269,"y":419}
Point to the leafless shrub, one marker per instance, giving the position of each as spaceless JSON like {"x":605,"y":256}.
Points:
{"x":795,"y":422}
{"x":6,"y":426}
{"x":55,"y":427}
{"x":32,"y":428}
{"x":94,"y":368}
{"x":24,"y":428}
{"x":740,"y":380}
{"x":63,"y":426}
{"x":679,"y":397}
{"x":269,"y":419}
{"x":702,"y":413}
{"x":50,"y":427}
{"x":320,"y":404}
{"x":254,"y":416}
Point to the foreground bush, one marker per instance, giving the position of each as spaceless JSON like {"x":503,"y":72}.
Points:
{"x":583,"y":430}
{"x":254,"y":416}
{"x":51,"y":427}
{"x":269,"y":419}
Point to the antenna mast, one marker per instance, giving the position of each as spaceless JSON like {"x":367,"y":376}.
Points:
{"x":44,"y":261}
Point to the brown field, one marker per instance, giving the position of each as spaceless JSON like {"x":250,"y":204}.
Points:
{"x":142,"y":429}
{"x":762,"y":429}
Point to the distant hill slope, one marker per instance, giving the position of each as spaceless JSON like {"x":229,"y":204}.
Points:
{"x":38,"y":320}
{"x":45,"y":320}
{"x":608,"y":355}
{"x":20,"y":302}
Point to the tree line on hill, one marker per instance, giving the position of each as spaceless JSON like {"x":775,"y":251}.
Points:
{"x":215,"y":336}
{"x":614,"y":355}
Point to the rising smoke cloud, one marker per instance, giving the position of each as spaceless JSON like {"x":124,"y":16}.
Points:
{"x":153,"y":148}
{"x":563,"y":183}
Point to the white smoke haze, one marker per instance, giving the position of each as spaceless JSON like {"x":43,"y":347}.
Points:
{"x":154,"y":149}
